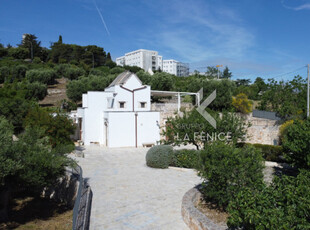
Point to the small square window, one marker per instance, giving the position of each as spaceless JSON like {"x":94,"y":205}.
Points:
{"x":143,"y":104}
{"x":122,"y":104}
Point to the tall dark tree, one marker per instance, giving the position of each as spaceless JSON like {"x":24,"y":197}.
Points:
{"x":226,"y":73}
{"x":30,"y":42}
{"x":60,"y":39}
{"x":109,"y":56}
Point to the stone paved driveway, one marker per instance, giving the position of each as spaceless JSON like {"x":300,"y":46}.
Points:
{"x":130,"y":195}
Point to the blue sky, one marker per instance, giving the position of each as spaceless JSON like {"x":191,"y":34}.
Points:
{"x":253,"y":38}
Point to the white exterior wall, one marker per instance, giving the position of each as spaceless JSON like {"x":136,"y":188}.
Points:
{"x":116,"y":126}
{"x":145,"y":59}
{"x":120,"y":61}
{"x":93,"y":116}
{"x":147,"y":128}
{"x":177,"y":68}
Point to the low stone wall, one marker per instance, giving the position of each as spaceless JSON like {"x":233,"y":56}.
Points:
{"x":192,"y":216}
{"x":65,"y":191}
{"x":262,"y":131}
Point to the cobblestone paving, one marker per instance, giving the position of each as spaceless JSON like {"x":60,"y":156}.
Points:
{"x":130,"y":195}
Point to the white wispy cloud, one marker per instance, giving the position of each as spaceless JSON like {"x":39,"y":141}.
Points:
{"x":195,"y":31}
{"x":305,"y":6}
{"x":101,"y":17}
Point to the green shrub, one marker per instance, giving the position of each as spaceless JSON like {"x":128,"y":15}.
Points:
{"x":270,"y":152}
{"x":159,"y":156}
{"x":45,"y":76}
{"x":73,"y":72}
{"x":19,"y":72}
{"x":296,"y":143}
{"x":19,"y":53}
{"x":227,"y":169}
{"x":285,"y":204}
{"x":35,"y":90}
{"x":185,"y":158}
{"x":4,"y":73}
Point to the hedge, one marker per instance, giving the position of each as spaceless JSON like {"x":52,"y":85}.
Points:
{"x":159,"y":156}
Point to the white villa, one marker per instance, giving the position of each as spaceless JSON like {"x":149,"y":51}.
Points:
{"x":119,"y":116}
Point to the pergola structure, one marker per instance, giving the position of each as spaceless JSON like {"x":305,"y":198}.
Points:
{"x":176,"y":94}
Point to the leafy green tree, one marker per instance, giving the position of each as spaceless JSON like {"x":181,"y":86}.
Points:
{"x":193,"y":128}
{"x":212,"y":72}
{"x":73,"y":73}
{"x":133,"y":69}
{"x":162,"y":81}
{"x":31,"y":43}
{"x":75,"y":89}
{"x":14,"y":107}
{"x":4,"y":74}
{"x":226,"y":170}
{"x":288,"y":99}
{"x":117,"y":70}
{"x":57,"y":128}
{"x":41,"y":167}
{"x":296,"y":142}
{"x":262,"y":86}
{"x":35,"y":90}
{"x":3,"y":51}
{"x":8,"y":164}
{"x":19,"y":53}
{"x":224,"y":91}
{"x":45,"y":76}
{"x":144,"y":77}
{"x":226,"y":73}
{"x":19,"y":72}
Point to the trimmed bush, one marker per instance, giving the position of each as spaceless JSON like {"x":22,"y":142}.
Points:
{"x":159,"y":156}
{"x":285,"y":204}
{"x":227,"y":169}
{"x":185,"y":158}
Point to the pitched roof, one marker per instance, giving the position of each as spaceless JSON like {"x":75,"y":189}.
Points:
{"x":122,"y":78}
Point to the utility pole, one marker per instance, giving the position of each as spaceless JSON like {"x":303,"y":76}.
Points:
{"x":31,"y":50}
{"x":218,"y":71}
{"x":308,"y":92}
{"x":93,"y":60}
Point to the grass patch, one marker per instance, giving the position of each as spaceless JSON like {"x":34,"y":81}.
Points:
{"x":37,"y":213}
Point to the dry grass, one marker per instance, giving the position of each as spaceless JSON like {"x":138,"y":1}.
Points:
{"x":38,"y":213}
{"x":56,"y":93}
{"x":217,"y":216}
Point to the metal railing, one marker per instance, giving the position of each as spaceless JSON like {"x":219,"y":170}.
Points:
{"x":82,"y":205}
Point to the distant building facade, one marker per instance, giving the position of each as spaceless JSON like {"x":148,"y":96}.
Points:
{"x":175,"y":67}
{"x":145,"y":59}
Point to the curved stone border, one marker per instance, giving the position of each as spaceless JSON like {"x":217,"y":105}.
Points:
{"x":192,"y":216}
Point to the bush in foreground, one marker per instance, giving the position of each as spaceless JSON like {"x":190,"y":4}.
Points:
{"x":159,"y":156}
{"x":296,"y":143}
{"x":227,"y":169}
{"x":185,"y":158}
{"x":285,"y":204}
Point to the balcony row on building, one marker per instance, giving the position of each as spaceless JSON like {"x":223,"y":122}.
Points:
{"x":150,"y":61}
